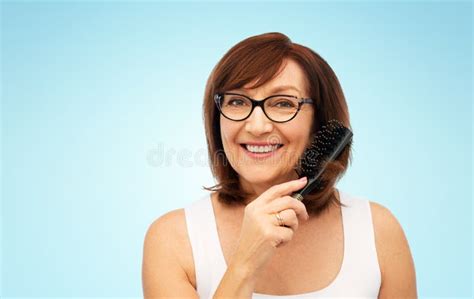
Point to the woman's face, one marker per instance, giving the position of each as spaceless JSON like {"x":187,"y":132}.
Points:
{"x":257,"y":172}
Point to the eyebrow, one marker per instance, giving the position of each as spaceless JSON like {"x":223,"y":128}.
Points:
{"x":285,"y":87}
{"x":278,"y":88}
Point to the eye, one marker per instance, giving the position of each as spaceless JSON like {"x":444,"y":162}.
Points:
{"x":284,"y":103}
{"x":235,"y":101}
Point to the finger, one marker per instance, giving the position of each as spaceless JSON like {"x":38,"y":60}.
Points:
{"x":283,"y":235}
{"x":288,"y":202}
{"x":284,"y":189}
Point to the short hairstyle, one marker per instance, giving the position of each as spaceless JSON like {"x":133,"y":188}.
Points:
{"x":258,"y":59}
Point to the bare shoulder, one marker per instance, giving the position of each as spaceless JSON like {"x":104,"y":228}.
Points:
{"x":394,"y":255}
{"x":167,"y":247}
{"x":172,"y":221}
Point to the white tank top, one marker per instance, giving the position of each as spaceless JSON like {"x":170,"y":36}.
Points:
{"x":359,"y":276}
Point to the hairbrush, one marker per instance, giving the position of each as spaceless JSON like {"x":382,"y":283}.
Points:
{"x":326,"y":146}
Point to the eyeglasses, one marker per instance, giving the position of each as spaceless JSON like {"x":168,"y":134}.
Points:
{"x":278,"y":108}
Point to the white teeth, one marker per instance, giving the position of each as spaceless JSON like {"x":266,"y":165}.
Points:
{"x":261,"y":149}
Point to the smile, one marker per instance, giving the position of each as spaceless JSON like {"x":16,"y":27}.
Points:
{"x":261,"y":151}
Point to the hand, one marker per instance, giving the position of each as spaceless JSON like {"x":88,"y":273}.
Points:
{"x":261,"y":233}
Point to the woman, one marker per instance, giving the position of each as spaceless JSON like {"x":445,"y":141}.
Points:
{"x":249,"y":238}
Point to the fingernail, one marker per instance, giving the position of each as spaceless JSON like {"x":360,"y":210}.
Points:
{"x":303,"y":179}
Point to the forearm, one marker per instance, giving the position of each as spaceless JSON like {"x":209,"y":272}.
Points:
{"x":237,"y":282}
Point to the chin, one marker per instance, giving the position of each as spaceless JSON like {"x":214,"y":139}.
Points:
{"x":262,"y":180}
{"x":263,"y":175}
{"x":257,"y":177}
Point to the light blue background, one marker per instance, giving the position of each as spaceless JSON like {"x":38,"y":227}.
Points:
{"x":102,"y":128}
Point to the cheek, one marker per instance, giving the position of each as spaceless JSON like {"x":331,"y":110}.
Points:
{"x":298,"y":145}
{"x":298,"y":133}
{"x":228,"y":134}
{"x":304,"y":130}
{"x":299,"y":137}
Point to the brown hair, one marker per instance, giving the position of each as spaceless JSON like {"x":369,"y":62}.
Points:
{"x":259,"y":58}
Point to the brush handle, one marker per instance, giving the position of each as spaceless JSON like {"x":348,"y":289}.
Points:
{"x":299,"y":195}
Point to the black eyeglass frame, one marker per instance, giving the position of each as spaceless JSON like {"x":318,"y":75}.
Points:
{"x":260,"y":103}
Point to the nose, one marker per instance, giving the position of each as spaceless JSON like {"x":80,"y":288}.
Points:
{"x":258,"y":123}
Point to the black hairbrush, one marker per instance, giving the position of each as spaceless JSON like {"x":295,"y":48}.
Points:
{"x":325,"y":147}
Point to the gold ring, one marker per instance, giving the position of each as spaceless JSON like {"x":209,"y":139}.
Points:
{"x":280,"y":220}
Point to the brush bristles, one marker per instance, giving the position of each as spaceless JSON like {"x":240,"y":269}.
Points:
{"x":322,"y":146}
